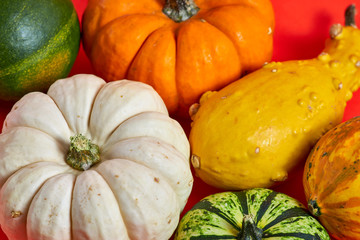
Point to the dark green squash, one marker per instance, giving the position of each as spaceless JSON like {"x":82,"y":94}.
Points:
{"x":39,"y":42}
{"x":249,"y":215}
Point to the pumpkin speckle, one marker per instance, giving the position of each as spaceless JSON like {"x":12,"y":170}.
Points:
{"x":257,"y":150}
{"x":15,"y":214}
{"x":274,"y":70}
{"x":190,"y":183}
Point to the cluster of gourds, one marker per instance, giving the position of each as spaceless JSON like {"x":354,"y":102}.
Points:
{"x":100,"y":158}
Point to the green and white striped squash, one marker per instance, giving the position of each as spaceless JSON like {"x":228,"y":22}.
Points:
{"x":249,"y":215}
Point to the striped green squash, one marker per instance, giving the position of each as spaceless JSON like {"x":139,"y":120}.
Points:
{"x":249,"y":215}
{"x":39,"y":42}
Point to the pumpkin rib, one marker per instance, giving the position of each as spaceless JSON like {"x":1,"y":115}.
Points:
{"x":111,"y":189}
{"x":161,"y":44}
{"x":7,"y":170}
{"x":19,"y":211}
{"x":249,"y":59}
{"x":130,"y":221}
{"x":103,"y":192}
{"x":27,"y":113}
{"x":127,"y":130}
{"x":40,"y":215}
{"x":66,"y":106}
{"x":97,"y":17}
{"x":151,"y":163}
{"x":139,"y":50}
{"x":121,"y":94}
{"x":208,"y":56}
{"x":119,"y":56}
{"x":334,"y":141}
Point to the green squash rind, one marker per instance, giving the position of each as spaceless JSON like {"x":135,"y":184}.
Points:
{"x":39,"y":42}
{"x":220,"y":216}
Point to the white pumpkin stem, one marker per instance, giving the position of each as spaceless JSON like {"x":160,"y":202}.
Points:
{"x":82,"y":153}
{"x":249,"y":230}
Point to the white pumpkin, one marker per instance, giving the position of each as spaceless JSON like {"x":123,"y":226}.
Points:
{"x":136,"y":189}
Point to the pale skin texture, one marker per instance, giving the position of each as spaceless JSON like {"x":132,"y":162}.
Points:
{"x":42,"y":197}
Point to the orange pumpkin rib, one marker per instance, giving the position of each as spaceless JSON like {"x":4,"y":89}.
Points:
{"x":340,"y":181}
{"x":319,"y":166}
{"x":210,"y":4}
{"x":111,"y":59}
{"x":206,"y":59}
{"x":338,"y":222}
{"x":98,"y":13}
{"x":335,"y":180}
{"x":154,"y":64}
{"x":339,"y":162}
{"x":254,"y":45}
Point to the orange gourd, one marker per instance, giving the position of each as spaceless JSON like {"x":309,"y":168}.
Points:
{"x":332,"y":180}
{"x":180,"y":47}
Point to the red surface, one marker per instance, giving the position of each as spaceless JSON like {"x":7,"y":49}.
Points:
{"x":300,"y":30}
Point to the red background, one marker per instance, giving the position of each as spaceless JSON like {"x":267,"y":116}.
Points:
{"x":300,"y":31}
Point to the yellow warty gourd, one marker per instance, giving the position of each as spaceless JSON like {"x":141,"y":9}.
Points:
{"x":253,"y":132}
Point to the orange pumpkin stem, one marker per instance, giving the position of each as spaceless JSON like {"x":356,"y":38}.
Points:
{"x":180,"y":10}
{"x":350,"y":16}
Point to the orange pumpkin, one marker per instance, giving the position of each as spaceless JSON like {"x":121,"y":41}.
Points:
{"x":180,"y":47}
{"x":332,"y":180}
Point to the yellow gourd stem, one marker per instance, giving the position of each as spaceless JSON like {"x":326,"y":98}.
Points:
{"x":350,"y":16}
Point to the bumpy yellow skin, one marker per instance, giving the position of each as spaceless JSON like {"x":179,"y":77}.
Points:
{"x":253,"y":132}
